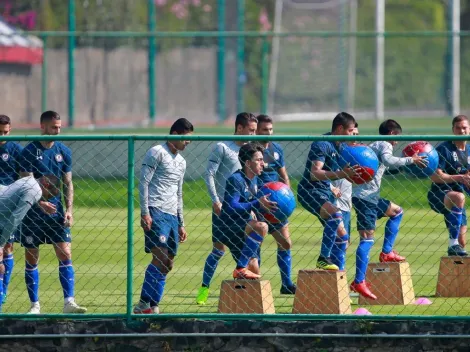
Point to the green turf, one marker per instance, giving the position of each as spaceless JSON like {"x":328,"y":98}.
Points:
{"x":100,"y":248}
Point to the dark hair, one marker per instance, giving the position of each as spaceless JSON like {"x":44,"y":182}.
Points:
{"x":389,"y":126}
{"x":49,"y":115}
{"x":181,"y":126}
{"x":4,"y":120}
{"x":264,"y":119}
{"x":459,"y":118}
{"x":343,"y":119}
{"x":247,"y":151}
{"x":244,"y":118}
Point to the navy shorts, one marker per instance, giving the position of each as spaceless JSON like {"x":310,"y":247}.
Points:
{"x":233,"y":236}
{"x":217,"y":226}
{"x":38,"y":231}
{"x":313,"y":199}
{"x":163,"y":232}
{"x":347,"y":221}
{"x":272,"y":227}
{"x":436,"y":202}
{"x":15,"y":236}
{"x":368,"y":212}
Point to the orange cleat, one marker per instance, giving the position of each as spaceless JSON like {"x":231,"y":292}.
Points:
{"x":363,"y":288}
{"x":392,"y":257}
{"x":244,"y":273}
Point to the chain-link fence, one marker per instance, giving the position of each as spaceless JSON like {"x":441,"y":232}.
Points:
{"x":110,"y":262}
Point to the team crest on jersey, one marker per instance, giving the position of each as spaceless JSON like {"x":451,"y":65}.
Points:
{"x":5,"y":156}
{"x":59,"y":158}
{"x":162,"y":239}
{"x":276,"y":155}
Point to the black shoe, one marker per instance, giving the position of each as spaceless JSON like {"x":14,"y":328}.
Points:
{"x":288,"y":290}
{"x":456,"y":251}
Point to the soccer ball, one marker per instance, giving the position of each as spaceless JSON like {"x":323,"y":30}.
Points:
{"x":363,"y":156}
{"x":283,"y":196}
{"x":423,"y":149}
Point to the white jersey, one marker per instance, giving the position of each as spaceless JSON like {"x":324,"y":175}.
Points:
{"x":223,"y":162}
{"x":371,"y":191}
{"x":161,"y":181}
{"x":345,"y":187}
{"x":15,"y":201}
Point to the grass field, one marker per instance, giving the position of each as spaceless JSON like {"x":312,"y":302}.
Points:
{"x":100,"y":247}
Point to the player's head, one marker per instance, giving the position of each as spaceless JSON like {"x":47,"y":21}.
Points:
{"x":5,"y":127}
{"x":390,"y":128}
{"x":343,"y":124}
{"x":50,"y":123}
{"x":181,"y":126}
{"x":50,"y":186}
{"x":460,"y":125}
{"x":251,"y":157}
{"x":355,"y":133}
{"x":245,"y":124}
{"x":265,"y":125}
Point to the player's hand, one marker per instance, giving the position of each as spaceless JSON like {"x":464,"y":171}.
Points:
{"x":146,"y":222}
{"x":182,"y":234}
{"x":420,"y":161}
{"x":217,"y":206}
{"x":336,"y":192}
{"x":47,"y":207}
{"x":465,"y":179}
{"x":68,"y":219}
{"x":266,"y":204}
{"x":350,"y":171}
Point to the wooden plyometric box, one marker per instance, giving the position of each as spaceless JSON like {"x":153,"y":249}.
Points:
{"x":246,"y":296}
{"x":454,"y":277}
{"x":322,"y":292}
{"x":391,"y":283}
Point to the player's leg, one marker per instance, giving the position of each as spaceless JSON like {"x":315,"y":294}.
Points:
{"x":366,"y":213}
{"x":31,"y":239}
{"x":395,"y":215}
{"x":162,"y":242}
{"x":255,"y":231}
{"x":9,"y":262}
{"x":338,"y":252}
{"x":212,"y":261}
{"x":463,"y":230}
{"x":61,"y":238}
{"x":454,"y":203}
{"x":2,"y":273}
{"x":284,"y":258}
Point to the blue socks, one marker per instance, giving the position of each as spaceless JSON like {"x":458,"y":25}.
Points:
{"x":67,"y":278}
{"x":31,"y":277}
{"x":391,"y":231}
{"x":362,"y":259}
{"x":454,"y":221}
{"x":284,"y":261}
{"x":338,"y":252}
{"x":9,"y":263}
{"x":153,"y":287}
{"x":250,"y":249}
{"x":329,"y":234}
{"x":211,"y":265}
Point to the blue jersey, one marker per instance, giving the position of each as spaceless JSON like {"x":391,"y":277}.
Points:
{"x":452,"y":161}
{"x":10,"y":153}
{"x":273,"y":160}
{"x":326,"y":152}
{"x":239,"y":199}
{"x":56,"y":161}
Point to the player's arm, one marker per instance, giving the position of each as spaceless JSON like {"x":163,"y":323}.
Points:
{"x":317,"y":155}
{"x":282,"y":171}
{"x":442,"y":177}
{"x":233,"y":195}
{"x":213,"y":164}
{"x":391,"y":161}
{"x":68,"y":198}
{"x":181,"y":230}
{"x":149,"y":165}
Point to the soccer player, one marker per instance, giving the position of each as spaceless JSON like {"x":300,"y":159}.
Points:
{"x":275,"y":170}
{"x":9,"y":172}
{"x":342,"y":190}
{"x":450,"y":181}
{"x":369,"y":207}
{"x":314,"y":189}
{"x":16,"y":200}
{"x":161,"y":204}
{"x":223,"y":162}
{"x":244,"y":233}
{"x":48,"y":222}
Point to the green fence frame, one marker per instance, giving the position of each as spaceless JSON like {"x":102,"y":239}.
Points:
{"x":131,"y":139}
